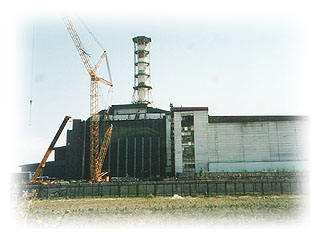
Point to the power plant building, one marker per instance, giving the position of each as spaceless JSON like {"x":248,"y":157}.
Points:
{"x":150,"y":143}
{"x":235,"y":143}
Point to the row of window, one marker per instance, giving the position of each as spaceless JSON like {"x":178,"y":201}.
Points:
{"x":187,"y":140}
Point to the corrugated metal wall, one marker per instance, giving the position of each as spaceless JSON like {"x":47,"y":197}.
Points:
{"x":252,"y":143}
{"x":256,"y":145}
{"x":201,"y":140}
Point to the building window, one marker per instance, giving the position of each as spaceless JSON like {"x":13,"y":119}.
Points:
{"x":189,"y":166}
{"x":187,"y":141}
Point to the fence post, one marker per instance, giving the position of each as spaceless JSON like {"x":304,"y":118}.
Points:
{"x":207,"y":188}
{"x":176,"y":188}
{"x":155,"y":189}
{"x":40,"y":189}
{"x":225,"y":188}
{"x":290,"y":187}
{"x":244,"y":188}
{"x":92,"y":189}
{"x":128,"y":192}
{"x":137,"y":189}
{"x":235,"y":188}
{"x":172,"y":188}
{"x":300,"y":190}
{"x":262,"y":189}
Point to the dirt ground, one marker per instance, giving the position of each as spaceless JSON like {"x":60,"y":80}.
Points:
{"x":111,"y":212}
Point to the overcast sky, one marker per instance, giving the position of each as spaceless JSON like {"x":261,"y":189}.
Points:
{"x":242,"y":62}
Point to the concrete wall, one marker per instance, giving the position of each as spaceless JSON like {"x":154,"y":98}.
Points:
{"x":251,"y":143}
{"x":184,"y":188}
{"x":256,"y":146}
{"x":168,"y":144}
{"x":201,"y":140}
{"x":177,"y":143}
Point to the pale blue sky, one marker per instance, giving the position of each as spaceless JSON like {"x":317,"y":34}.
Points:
{"x":237,"y":66}
{"x":236,"y":57}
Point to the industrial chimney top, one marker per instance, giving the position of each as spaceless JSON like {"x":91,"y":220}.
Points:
{"x":141,"y":39}
{"x":142,"y":87}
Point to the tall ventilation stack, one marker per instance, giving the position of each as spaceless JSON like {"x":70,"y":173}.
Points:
{"x":142,"y":87}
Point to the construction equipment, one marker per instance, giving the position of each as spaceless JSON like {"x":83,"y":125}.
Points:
{"x":104,"y":148}
{"x":96,"y":156}
{"x":49,"y":150}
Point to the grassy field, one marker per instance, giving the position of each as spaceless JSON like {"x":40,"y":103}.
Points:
{"x":161,"y":210}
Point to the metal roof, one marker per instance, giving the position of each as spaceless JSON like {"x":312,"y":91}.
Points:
{"x":48,"y":163}
{"x":178,"y":109}
{"x":136,"y":106}
{"x":128,"y":106}
{"x":156,"y":110}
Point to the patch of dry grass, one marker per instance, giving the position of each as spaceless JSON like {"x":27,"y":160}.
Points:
{"x":165,"y":210}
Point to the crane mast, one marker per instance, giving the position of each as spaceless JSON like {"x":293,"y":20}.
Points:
{"x":96,"y":161}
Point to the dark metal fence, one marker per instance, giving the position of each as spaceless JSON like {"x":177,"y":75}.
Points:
{"x":167,"y":188}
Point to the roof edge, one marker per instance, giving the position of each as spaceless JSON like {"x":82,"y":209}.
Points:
{"x":256,"y":118}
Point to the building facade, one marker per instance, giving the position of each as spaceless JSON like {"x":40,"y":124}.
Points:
{"x":149,"y":143}
{"x":235,"y":143}
{"x":137,"y":147}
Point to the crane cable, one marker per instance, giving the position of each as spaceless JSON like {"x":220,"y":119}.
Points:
{"x":99,"y":44}
{"x":90,"y":32}
{"x":32,"y":61}
{"x":108,"y":67}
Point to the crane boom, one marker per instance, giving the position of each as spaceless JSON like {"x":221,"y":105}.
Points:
{"x":49,"y":150}
{"x":104,"y":148}
{"x":99,"y":61}
{"x":77,"y":42}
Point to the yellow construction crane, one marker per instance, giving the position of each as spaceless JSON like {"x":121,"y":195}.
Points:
{"x":96,"y":156}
